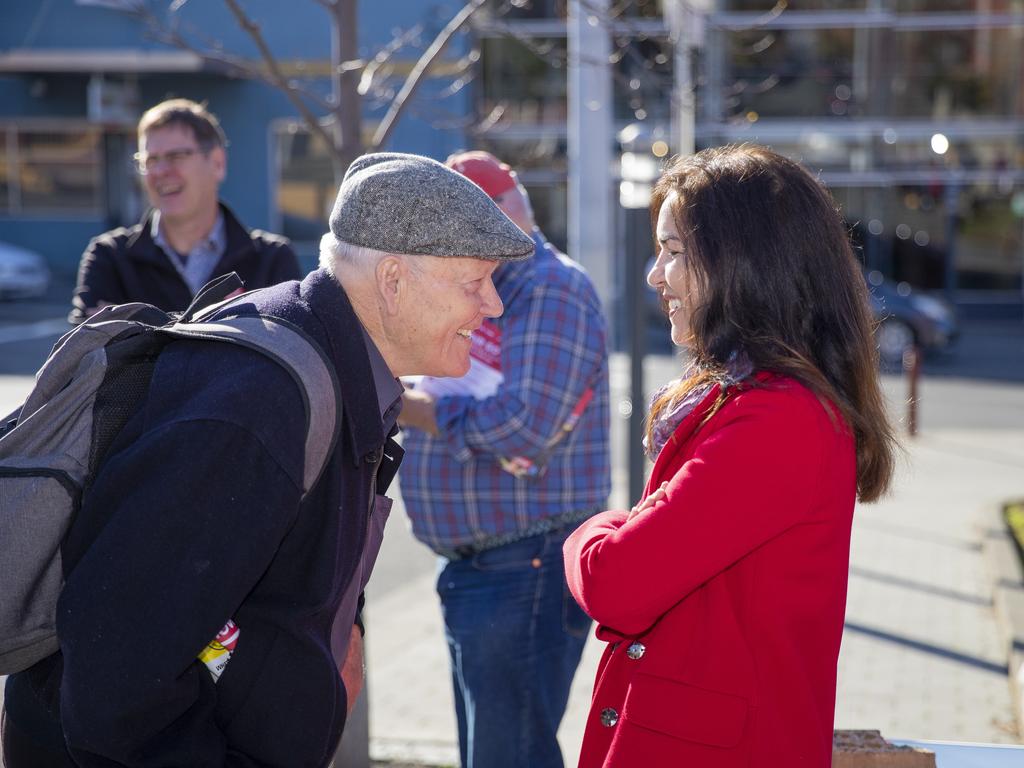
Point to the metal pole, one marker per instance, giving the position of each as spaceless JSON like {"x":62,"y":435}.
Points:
{"x":636,"y":228}
{"x":591,"y":141}
{"x":687,"y":28}
{"x":952,"y":201}
{"x":912,"y":366}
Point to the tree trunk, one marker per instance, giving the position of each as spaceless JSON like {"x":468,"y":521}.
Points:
{"x":346,"y":127}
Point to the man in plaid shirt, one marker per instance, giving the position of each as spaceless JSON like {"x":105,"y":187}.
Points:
{"x":499,"y":468}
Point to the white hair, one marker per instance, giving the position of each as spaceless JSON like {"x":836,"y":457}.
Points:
{"x":335,"y":252}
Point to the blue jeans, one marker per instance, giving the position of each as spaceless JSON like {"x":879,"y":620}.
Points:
{"x":515,"y":637}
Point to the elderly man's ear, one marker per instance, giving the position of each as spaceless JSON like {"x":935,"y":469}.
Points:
{"x":393,"y":277}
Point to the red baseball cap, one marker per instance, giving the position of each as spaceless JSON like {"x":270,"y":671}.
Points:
{"x":485,"y":170}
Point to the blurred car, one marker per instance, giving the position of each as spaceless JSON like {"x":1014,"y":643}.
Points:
{"x":23,"y":273}
{"x":905,"y":318}
{"x":908,"y":318}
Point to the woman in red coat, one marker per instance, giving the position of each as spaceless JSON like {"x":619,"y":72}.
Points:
{"x":721,"y":595}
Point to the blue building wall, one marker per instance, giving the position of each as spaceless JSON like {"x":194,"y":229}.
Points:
{"x":295,"y":30}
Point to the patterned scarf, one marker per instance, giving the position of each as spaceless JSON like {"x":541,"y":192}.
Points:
{"x":737,"y":369}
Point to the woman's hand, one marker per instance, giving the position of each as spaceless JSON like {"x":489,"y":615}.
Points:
{"x":649,"y":502}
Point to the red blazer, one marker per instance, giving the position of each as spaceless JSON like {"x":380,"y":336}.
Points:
{"x":723,"y":605}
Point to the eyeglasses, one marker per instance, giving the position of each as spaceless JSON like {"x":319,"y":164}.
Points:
{"x":146,"y":163}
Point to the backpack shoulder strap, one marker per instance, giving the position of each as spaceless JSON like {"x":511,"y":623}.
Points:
{"x":68,"y":358}
{"x":295,"y":351}
{"x":212,"y":295}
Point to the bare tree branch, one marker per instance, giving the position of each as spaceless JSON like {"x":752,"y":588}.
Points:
{"x":169,"y":34}
{"x":457,"y":85}
{"x":290,"y":90}
{"x":445,"y":119}
{"x":384,"y":55}
{"x":558,"y":58}
{"x":338,"y":119}
{"x":234,"y":65}
{"x":387,"y":125}
{"x":492,"y":119}
{"x":209,"y":53}
{"x":325,"y":103}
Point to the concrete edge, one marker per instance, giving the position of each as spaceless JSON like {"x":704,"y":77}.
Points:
{"x":420,"y":752}
{"x":1007,"y":576}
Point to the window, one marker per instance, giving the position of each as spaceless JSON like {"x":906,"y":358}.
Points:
{"x":550,"y":211}
{"x":942,"y":6}
{"x":844,"y":73}
{"x":525,"y":78}
{"x":789,"y":73}
{"x":960,"y":73}
{"x":643,"y":9}
{"x":542,"y":166}
{"x":51,"y":170}
{"x":5,"y":173}
{"x":910,"y":226}
{"x":305,"y":186}
{"x":989,"y":243}
{"x":779,"y":7}
{"x":642,"y":78}
{"x":514,"y":10}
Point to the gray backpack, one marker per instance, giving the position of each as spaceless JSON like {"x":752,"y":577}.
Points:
{"x":51,"y":447}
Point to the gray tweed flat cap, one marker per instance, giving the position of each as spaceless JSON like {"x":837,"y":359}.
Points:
{"x":409,"y":204}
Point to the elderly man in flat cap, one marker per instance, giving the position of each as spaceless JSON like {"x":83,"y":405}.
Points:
{"x":199,"y":506}
{"x":500,"y":467}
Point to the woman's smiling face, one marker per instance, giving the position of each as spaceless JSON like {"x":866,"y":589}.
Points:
{"x":672,"y":276}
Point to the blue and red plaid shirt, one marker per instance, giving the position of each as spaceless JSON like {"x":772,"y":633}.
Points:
{"x":553,"y":348}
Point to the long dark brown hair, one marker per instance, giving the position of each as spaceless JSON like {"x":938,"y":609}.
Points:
{"x":778,"y":281}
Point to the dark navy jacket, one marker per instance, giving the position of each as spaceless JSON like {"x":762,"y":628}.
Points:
{"x":199,"y":518}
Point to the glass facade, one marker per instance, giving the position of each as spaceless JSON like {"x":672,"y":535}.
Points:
{"x":518,"y":10}
{"x":912,"y":111}
{"x":642,"y":79}
{"x":51,"y":170}
{"x":521,"y":90}
{"x":542,"y":165}
{"x":906,"y":230}
{"x":524,"y":78}
{"x":5,"y":171}
{"x":847,"y":73}
{"x":787,"y":73}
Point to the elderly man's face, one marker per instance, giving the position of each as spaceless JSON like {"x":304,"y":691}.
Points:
{"x":451,"y":297}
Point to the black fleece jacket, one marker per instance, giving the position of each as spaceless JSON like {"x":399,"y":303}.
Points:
{"x":125,"y":265}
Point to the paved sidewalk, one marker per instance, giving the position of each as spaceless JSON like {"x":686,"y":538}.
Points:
{"x":412,"y":715}
{"x":922,"y":654}
{"x":922,"y":657}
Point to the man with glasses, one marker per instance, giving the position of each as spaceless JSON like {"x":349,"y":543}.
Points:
{"x":189,"y":236}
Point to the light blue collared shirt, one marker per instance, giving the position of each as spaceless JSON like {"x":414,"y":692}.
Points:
{"x":195,"y":267}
